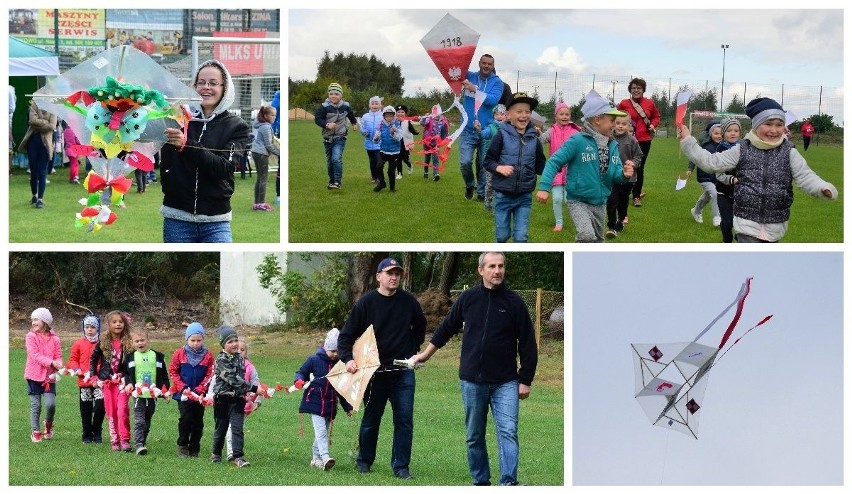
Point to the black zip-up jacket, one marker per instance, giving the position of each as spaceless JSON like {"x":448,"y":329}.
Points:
{"x":200,"y":178}
{"x":497,"y":330}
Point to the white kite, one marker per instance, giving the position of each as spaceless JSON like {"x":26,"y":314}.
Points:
{"x":671,"y":377}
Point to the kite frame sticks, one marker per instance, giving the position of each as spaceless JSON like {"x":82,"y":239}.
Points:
{"x":671,"y":377}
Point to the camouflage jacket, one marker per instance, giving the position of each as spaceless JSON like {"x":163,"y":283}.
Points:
{"x":230,"y":375}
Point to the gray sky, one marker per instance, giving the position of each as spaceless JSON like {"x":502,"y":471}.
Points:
{"x":773,"y":407}
{"x":798,"y":47}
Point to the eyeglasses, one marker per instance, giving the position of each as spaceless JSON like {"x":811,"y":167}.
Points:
{"x":210,"y":84}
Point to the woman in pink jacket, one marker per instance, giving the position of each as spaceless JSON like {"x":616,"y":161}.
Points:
{"x":44,"y":357}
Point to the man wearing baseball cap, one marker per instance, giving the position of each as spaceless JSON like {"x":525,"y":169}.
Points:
{"x":400,"y":328}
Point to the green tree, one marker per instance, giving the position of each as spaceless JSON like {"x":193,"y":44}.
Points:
{"x":704,"y":100}
{"x":822,"y":123}
{"x":361,"y":72}
{"x":736,"y":105}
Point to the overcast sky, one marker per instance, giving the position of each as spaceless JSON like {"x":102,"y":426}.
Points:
{"x":794,"y":47}
{"x":773,"y":407}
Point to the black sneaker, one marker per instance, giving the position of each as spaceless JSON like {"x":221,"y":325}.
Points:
{"x":480,"y":198}
{"x":39,"y":204}
{"x":141,"y":450}
{"x":425,"y":176}
{"x":362,"y":467}
{"x":468,"y":193}
{"x":241,"y":462}
{"x":379,"y":187}
{"x":330,"y":185}
{"x":436,"y":178}
{"x":214,"y":458}
{"x":335,"y":186}
{"x":183,"y":452}
{"x":403,"y":474}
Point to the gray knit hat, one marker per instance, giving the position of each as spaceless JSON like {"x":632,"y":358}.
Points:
{"x":225,"y":333}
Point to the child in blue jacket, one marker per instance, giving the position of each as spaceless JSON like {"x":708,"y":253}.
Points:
{"x":320,"y":398}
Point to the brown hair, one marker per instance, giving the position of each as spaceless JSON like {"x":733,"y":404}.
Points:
{"x":106,"y":336}
{"x":264,"y":112}
{"x":637,"y":82}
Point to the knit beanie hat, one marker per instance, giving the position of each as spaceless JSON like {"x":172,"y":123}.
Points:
{"x":501,"y":109}
{"x":194,"y":328}
{"x":560,"y":106}
{"x":728,"y":122}
{"x":335,"y":88}
{"x":226,"y":333}
{"x":42,"y":314}
{"x":331,"y":340}
{"x":92,"y":320}
{"x":761,"y":110}
{"x":376,"y":99}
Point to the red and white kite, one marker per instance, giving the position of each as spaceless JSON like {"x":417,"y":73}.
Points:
{"x":682,"y":98}
{"x":671,"y":377}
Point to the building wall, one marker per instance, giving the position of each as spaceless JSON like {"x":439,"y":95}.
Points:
{"x":243,"y":300}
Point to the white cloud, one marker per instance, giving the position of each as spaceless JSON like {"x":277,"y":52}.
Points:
{"x":569,"y":59}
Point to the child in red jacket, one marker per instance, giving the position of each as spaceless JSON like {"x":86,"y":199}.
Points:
{"x":91,"y":397}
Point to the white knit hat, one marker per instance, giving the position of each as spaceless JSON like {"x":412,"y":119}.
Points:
{"x":331,"y":340}
{"x":42,"y":314}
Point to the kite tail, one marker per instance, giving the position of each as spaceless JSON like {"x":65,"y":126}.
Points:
{"x":739,"y":296}
{"x":743,"y":336}
{"x":737,"y":315}
{"x":458,"y":131}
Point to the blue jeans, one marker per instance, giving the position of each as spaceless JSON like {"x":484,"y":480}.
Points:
{"x":398,"y":388}
{"x":511,"y":216}
{"x":503,"y":400}
{"x":334,"y":159}
{"x":470,"y":142}
{"x":177,"y":231}
{"x":38,"y":160}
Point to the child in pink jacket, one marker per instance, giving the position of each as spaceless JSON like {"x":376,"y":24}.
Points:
{"x":562,"y":129}
{"x":44,"y":358}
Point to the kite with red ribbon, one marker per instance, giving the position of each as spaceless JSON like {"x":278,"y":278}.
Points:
{"x":671,"y":377}
{"x":450,"y":44}
{"x":119,"y":104}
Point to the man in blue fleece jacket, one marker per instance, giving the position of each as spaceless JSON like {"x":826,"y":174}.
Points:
{"x":497,"y":330}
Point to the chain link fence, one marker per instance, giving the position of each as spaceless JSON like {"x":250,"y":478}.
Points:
{"x":803,"y":101}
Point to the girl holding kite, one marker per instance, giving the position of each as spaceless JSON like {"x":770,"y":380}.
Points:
{"x":197,"y":169}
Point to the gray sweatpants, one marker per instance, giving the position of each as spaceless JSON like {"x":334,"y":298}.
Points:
{"x":708,"y":196}
{"x":589,"y":221}
{"x":35,"y":409}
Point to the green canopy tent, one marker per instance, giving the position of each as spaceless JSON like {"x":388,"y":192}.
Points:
{"x":27,"y":63}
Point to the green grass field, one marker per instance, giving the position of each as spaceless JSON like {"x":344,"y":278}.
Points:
{"x":278,"y":450}
{"x":139,"y":222}
{"x":427,"y":211}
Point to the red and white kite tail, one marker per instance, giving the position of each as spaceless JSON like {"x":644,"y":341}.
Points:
{"x":458,"y":131}
{"x":743,"y":291}
{"x":743,"y":336}
{"x":740,"y":303}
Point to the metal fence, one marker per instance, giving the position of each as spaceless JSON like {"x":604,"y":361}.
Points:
{"x":803,"y":101}
{"x":547,"y":310}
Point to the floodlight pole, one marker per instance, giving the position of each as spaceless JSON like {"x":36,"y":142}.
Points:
{"x":722,"y":94}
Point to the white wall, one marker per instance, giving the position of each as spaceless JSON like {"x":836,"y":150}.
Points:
{"x":243,"y":300}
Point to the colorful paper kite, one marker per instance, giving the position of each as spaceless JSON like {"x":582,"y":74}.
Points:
{"x":110,"y":102}
{"x":450,"y":44}
{"x":671,"y":377}
{"x":352,"y":386}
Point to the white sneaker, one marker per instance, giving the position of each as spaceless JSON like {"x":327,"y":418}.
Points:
{"x":328,"y":464}
{"x":717,"y":220}
{"x":316,"y":462}
{"x":697,"y":215}
{"x":398,"y":175}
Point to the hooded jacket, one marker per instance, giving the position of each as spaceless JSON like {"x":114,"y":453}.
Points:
{"x":320,"y":397}
{"x":198,"y":180}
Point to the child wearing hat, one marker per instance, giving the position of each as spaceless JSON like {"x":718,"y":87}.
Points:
{"x":320,"y":398}
{"x":44,"y":357}
{"x":556,"y":135}
{"x":435,"y":130}
{"x":408,"y":133}
{"x":369,"y":126}
{"x":515,"y":158}
{"x":724,"y":181}
{"x":487,"y":134}
{"x":91,"y":397}
{"x":332,"y":116}
{"x":710,"y":139}
{"x":191,"y":368}
{"x":592,"y":163}
{"x":229,"y":390}
{"x":389,"y":136}
{"x":764,"y":166}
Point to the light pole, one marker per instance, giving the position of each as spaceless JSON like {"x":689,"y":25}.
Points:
{"x":613,"y":89}
{"x":722,"y":95}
